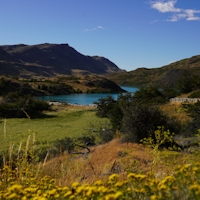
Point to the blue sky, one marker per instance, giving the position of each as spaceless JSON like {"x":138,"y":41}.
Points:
{"x":130,"y":33}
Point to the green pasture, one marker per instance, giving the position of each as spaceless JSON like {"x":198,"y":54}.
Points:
{"x":57,"y":125}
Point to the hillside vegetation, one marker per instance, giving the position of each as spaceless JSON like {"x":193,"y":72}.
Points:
{"x":168,"y":75}
{"x":58,"y":85}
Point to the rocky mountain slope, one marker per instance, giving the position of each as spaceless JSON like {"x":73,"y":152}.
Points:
{"x":49,"y":60}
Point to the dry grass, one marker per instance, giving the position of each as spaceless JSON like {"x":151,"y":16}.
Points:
{"x":175,"y":110}
{"x":114,"y":157}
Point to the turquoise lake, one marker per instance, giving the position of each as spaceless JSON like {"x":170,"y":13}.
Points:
{"x":85,"y":99}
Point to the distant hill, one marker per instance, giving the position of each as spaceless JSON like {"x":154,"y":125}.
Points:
{"x":50,"y":60}
{"x":59,"y":85}
{"x":167,"y":75}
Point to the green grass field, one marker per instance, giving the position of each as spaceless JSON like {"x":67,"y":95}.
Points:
{"x":57,"y":125}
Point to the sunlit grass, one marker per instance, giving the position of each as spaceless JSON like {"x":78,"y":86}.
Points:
{"x":175,"y":110}
{"x":65,"y":123}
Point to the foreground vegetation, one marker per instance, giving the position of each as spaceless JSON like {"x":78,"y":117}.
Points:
{"x":184,"y":184}
{"x":124,"y":149}
{"x":113,"y":170}
{"x":161,"y":175}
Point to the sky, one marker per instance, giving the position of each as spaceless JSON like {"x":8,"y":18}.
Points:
{"x":130,"y":33}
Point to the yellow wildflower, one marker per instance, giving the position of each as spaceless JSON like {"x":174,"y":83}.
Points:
{"x":75,"y":184}
{"x":98,"y":182}
{"x":196,"y":188}
{"x":118,"y":194}
{"x":129,"y":190}
{"x":16,"y":188}
{"x":102,"y":189}
{"x":80,"y":189}
{"x":113,"y":196}
{"x":132,"y":175}
{"x":89,"y":192}
{"x":168,"y":179}
{"x":154,"y":197}
{"x":13,"y":196}
{"x":52,"y":192}
{"x":162,"y":187}
{"x":119,"y":184}
{"x":68,"y":194}
{"x":113,"y":177}
{"x":141,"y":176}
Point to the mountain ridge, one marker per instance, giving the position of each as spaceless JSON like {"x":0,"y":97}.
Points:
{"x":168,"y":75}
{"x":49,"y":60}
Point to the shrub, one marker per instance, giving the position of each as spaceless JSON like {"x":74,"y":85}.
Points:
{"x":195,"y":94}
{"x":65,"y":144}
{"x":141,"y":121}
{"x":17,"y":105}
{"x":192,"y":110}
{"x":106,"y":135}
{"x":104,"y":106}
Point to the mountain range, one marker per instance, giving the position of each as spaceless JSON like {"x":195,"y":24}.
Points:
{"x":50,"y":60}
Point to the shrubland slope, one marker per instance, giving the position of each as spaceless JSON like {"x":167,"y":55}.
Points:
{"x":168,"y":75}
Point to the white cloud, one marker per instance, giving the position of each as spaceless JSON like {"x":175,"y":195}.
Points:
{"x":100,"y":27}
{"x":191,"y":14}
{"x":152,"y":22}
{"x":164,"y":6}
{"x":94,"y":29}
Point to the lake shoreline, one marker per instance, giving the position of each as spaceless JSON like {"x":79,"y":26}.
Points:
{"x":84,"y":98}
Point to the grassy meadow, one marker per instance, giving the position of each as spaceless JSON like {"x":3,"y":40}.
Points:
{"x":62,"y":122}
{"x":111,"y":171}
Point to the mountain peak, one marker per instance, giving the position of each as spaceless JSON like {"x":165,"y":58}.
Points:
{"x":51,"y":59}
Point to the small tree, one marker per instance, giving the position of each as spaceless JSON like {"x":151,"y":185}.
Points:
{"x":15,"y":105}
{"x":142,"y":120}
{"x":105,"y":105}
{"x":149,"y":95}
{"x":193,"y":111}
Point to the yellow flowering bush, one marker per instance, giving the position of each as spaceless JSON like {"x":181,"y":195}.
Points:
{"x":183,"y":184}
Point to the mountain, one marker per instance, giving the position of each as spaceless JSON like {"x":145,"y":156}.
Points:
{"x":168,"y":75}
{"x":111,"y":66}
{"x":50,"y":60}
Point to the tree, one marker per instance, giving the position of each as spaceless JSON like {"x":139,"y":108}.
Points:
{"x":149,"y":95}
{"x":17,"y":105}
{"x":141,"y":121}
{"x":136,"y":115}
{"x":193,"y":111}
{"x":113,"y":109}
{"x":115,"y":115}
{"x":105,"y":105}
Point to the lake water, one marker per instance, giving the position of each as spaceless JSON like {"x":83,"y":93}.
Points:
{"x":84,"y":99}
